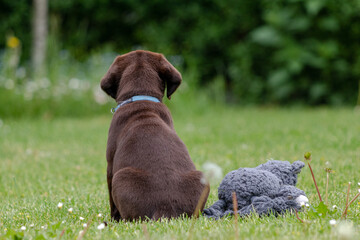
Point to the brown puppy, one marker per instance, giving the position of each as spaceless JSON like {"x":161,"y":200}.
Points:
{"x":150,"y":173}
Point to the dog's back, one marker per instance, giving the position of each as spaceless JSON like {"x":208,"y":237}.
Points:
{"x":154,"y":175}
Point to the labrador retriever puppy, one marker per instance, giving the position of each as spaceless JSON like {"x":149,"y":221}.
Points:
{"x":149,"y":173}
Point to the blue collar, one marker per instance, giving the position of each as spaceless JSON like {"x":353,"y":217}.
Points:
{"x":134,"y":99}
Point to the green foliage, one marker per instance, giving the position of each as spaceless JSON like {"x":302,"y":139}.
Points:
{"x":264,"y":52}
{"x":15,"y":18}
{"x":320,"y":211}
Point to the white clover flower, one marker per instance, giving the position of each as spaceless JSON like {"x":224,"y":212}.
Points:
{"x":332,"y":222}
{"x":307,"y":205}
{"x":81,"y":218}
{"x":359,"y":183}
{"x":63,"y":221}
{"x":302,"y":200}
{"x":81,"y":232}
{"x":101,"y":226}
{"x":70,"y":210}
{"x":23,"y":228}
{"x":32,"y":225}
{"x":60,"y":204}
{"x":42,"y":227}
{"x":84,"y":225}
{"x":99,"y":215}
{"x":334,"y":207}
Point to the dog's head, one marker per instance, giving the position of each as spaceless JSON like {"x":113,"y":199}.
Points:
{"x":140,"y":73}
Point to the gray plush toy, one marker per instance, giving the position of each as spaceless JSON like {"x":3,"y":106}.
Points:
{"x":267,"y":188}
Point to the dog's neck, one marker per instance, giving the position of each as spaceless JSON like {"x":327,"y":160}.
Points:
{"x":134,"y":99}
{"x":125,"y":95}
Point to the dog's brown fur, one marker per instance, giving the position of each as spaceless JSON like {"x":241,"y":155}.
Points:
{"x":150,"y":173}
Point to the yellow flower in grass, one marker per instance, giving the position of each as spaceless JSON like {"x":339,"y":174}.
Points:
{"x":13,"y":42}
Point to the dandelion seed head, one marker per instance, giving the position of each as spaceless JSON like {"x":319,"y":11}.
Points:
{"x":345,"y":231}
{"x":20,"y":72}
{"x":212,"y":171}
{"x":74,"y":83}
{"x":99,"y":96}
{"x":244,"y":146}
{"x":203,"y":180}
{"x":9,"y":84}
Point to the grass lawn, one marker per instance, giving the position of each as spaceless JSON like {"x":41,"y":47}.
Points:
{"x":47,"y":161}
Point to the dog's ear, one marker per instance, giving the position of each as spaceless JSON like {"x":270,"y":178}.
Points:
{"x":170,"y":76}
{"x":110,"y":82}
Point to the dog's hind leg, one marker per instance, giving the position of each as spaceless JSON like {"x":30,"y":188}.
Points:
{"x":195,"y":191}
{"x":114,"y":212}
{"x":131,"y":192}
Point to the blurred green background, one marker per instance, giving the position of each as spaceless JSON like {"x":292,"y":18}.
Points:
{"x":238,"y":52}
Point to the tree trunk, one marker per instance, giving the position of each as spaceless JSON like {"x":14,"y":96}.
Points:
{"x":39,"y":40}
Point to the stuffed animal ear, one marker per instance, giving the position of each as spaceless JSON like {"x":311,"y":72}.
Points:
{"x":170,"y":76}
{"x":110,"y":82}
{"x":297,"y":166}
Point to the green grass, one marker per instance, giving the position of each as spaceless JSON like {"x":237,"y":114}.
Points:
{"x":50,"y":160}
